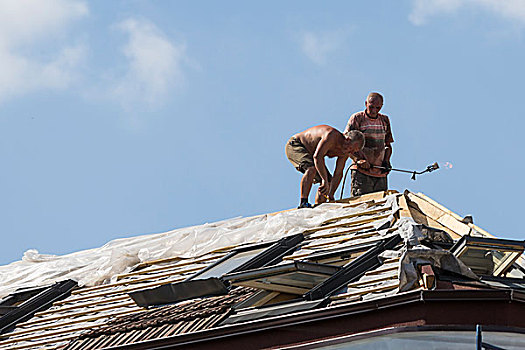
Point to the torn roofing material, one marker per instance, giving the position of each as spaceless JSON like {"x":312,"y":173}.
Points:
{"x":342,"y":254}
{"x":161,"y":322}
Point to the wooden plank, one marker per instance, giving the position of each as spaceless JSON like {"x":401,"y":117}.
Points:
{"x":171,"y":259}
{"x":46,"y":334}
{"x":178,"y":264}
{"x":404,"y":210}
{"x":372,"y":281}
{"x":37,"y":320}
{"x":382,"y":270}
{"x":421,"y":218}
{"x":133,"y":281}
{"x":19,"y":331}
{"x":348,"y":224}
{"x":424,"y":207}
{"x":365,"y":291}
{"x":273,"y":287}
{"x":107,"y":300}
{"x":454,"y":216}
{"x":455,"y":225}
{"x":345,"y":239}
{"x":39,"y":344}
{"x":437,"y":205}
{"x":368,"y":203}
{"x":353,"y":215}
{"x":265,"y":299}
{"x":340,"y":233}
{"x":369,"y":196}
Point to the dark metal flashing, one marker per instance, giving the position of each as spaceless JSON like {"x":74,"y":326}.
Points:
{"x":509,"y":243}
{"x":21,"y":295}
{"x":353,"y":270}
{"x":38,"y":302}
{"x":229,"y":256}
{"x":403,"y":329}
{"x":465,"y":307}
{"x":174,"y":292}
{"x":273,"y":254}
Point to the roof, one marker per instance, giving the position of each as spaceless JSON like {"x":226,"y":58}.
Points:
{"x":280,"y":265}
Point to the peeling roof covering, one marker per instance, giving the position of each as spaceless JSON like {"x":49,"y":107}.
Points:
{"x":167,"y":321}
{"x":103,"y":314}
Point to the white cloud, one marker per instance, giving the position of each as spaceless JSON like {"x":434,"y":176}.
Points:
{"x":27,"y":26}
{"x":422,"y":10}
{"x":154,"y":64}
{"x":318,"y":46}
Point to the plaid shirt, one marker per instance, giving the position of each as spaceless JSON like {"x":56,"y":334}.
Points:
{"x":377,"y":135}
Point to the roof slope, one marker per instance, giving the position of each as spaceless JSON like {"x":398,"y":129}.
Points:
{"x":342,"y":235}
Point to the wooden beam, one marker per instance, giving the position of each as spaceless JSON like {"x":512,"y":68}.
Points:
{"x":353,"y":215}
{"x":106,"y":300}
{"x":165,"y":267}
{"x":136,"y":280}
{"x":348,"y":224}
{"x":59,"y":316}
{"x":372,"y":281}
{"x":21,"y":331}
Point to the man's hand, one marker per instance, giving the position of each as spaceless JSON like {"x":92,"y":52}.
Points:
{"x":324,"y":188}
{"x":363,"y":163}
{"x":386,"y":164}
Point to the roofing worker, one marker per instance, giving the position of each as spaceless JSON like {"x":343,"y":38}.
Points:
{"x":366,"y":177}
{"x":306,"y":152}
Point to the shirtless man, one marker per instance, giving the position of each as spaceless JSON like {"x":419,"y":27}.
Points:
{"x":306,"y":152}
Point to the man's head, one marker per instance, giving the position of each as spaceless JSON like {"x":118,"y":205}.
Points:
{"x":373,"y":104}
{"x":354,"y":141}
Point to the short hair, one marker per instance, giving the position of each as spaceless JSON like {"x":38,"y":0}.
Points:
{"x":356,"y":136}
{"x":375,"y":95}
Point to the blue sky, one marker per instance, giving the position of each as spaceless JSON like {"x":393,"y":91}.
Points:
{"x":121,"y":118}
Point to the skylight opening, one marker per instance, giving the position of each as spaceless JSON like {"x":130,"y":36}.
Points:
{"x":488,"y":256}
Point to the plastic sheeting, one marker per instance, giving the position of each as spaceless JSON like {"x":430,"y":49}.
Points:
{"x":100,"y":265}
{"x":409,"y":230}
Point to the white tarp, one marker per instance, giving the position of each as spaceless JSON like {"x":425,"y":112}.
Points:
{"x":99,"y":265}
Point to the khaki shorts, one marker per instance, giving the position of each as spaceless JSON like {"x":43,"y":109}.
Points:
{"x":300,"y":158}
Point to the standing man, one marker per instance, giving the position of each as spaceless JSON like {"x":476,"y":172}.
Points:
{"x":306,"y":152}
{"x":366,"y":177}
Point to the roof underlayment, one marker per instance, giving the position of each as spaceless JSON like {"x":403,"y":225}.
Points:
{"x":100,"y":265}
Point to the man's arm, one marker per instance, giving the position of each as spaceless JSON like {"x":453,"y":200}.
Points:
{"x":320,"y":152}
{"x":338,"y":175}
{"x":388,"y":152}
{"x":388,"y":143}
{"x":359,"y":159}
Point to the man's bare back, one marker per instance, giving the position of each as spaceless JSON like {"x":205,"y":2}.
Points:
{"x":335,"y":140}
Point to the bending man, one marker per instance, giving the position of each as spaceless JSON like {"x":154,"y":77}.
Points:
{"x":306,"y":152}
{"x":366,"y":176}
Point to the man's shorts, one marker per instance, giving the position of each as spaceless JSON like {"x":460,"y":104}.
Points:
{"x":301,"y":159}
{"x":363,"y":184}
